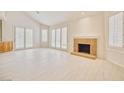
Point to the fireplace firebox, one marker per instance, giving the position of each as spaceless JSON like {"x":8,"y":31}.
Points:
{"x":84,"y":48}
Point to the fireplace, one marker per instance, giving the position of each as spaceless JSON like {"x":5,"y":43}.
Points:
{"x":84,"y":48}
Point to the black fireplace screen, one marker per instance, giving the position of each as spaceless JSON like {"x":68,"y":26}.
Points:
{"x":84,"y":48}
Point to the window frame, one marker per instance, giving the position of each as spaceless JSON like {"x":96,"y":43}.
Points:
{"x":108,"y":44}
{"x":24,"y":37}
{"x":41,"y":39}
{"x":64,"y":49}
{"x":15,"y":38}
{"x":54,"y":39}
{"x":66,"y":37}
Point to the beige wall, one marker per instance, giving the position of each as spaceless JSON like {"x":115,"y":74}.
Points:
{"x":92,"y":26}
{"x":115,"y":55}
{"x":21,"y":19}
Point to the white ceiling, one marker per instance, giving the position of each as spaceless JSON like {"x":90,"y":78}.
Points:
{"x":56,"y":17}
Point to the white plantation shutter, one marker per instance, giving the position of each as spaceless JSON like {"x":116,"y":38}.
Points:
{"x":28,"y":38}
{"x":53,"y":34}
{"x":116,"y":30}
{"x":64,"y":38}
{"x":44,"y":34}
{"x":23,"y":38}
{"x":111,"y":30}
{"x":58,"y":38}
{"x":19,"y":38}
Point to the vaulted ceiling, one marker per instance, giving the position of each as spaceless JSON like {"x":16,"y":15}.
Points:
{"x":56,"y":17}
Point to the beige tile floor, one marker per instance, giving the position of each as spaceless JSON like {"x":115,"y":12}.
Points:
{"x":50,"y":64}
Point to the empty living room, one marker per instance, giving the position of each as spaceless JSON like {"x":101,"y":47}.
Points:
{"x":61,"y":45}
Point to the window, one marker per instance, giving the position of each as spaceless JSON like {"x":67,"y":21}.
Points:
{"x":116,"y":30}
{"x":44,"y":34}
{"x":64,"y":37}
{"x":53,"y":38}
{"x":28,"y":38}
{"x":19,"y":38}
{"x":23,"y":38}
{"x":59,"y":38}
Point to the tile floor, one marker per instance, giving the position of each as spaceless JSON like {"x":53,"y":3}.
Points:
{"x":49,"y":64}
